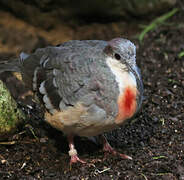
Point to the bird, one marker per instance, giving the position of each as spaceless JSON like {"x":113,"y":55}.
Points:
{"x":87,"y":87}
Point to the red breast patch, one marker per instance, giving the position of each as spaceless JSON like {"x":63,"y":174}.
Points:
{"x":126,"y":104}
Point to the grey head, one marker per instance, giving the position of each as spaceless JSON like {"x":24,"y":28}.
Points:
{"x":122,"y":50}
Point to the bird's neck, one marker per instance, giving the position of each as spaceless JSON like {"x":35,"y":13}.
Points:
{"x":127,"y":90}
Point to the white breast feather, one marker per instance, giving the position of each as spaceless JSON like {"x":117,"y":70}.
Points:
{"x":123,"y":77}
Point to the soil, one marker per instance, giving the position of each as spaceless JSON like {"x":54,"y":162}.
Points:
{"x":154,"y":139}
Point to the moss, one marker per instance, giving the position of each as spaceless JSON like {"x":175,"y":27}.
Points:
{"x":10,"y":115}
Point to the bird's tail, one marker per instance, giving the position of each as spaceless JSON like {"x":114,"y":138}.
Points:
{"x":10,"y":65}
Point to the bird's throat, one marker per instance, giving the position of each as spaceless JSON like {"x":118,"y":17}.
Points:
{"x":126,"y":104}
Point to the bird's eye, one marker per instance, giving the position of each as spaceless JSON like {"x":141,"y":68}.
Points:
{"x":117,"y":56}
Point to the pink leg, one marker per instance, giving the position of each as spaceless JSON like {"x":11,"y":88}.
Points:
{"x":73,"y":152}
{"x":108,"y":149}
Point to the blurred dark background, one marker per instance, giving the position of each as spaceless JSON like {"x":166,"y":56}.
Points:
{"x":28,"y":24}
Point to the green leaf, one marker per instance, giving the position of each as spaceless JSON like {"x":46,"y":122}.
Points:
{"x":181,"y":54}
{"x":159,"y":157}
{"x":155,"y":23}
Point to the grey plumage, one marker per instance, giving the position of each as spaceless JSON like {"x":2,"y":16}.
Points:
{"x":73,"y":70}
{"x":81,"y":83}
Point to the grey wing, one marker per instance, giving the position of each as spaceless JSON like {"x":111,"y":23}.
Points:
{"x":74,"y":73}
{"x":65,"y":77}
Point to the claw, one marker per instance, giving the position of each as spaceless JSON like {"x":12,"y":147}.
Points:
{"x":108,"y":149}
{"x":75,"y":159}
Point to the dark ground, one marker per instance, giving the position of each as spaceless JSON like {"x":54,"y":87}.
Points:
{"x":155,"y":138}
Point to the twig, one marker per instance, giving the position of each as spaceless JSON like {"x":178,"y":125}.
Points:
{"x":97,"y":171}
{"x":16,"y":142}
{"x":144,"y":176}
{"x":8,"y":143}
{"x":32,"y":131}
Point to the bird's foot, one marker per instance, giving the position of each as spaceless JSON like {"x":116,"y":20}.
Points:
{"x":73,"y":152}
{"x":108,"y":149}
{"x":75,"y":159}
